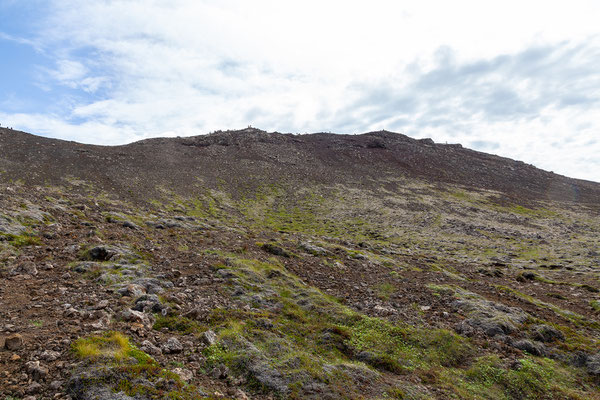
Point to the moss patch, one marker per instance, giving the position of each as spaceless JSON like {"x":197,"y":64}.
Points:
{"x":125,"y":368}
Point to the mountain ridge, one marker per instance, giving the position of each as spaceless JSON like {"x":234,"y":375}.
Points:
{"x":322,"y":157}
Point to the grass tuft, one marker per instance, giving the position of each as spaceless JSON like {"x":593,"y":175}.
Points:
{"x":111,"y":345}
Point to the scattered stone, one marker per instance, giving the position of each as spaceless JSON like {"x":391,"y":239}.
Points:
{"x":225,"y":273}
{"x":240,"y":395}
{"x":153,"y":285}
{"x":494,"y":319}
{"x":13,"y":342}
{"x":130,"y":315}
{"x":185,"y":374}
{"x":593,"y":364}
{"x":84,"y":266}
{"x":100,"y":253}
{"x":533,"y":348}
{"x":526,"y":275}
{"x":101,"y":305}
{"x":71,"y":313}
{"x":547,"y":333}
{"x":56,"y":385}
{"x":131,"y":290}
{"x":149,"y":303}
{"x":49,"y":355}
{"x":208,"y":338}
{"x":220,"y":372}
{"x":36,"y":371}
{"x":172,"y":346}
{"x":276,"y":250}
{"x":88,"y":385}
{"x":148,"y":347}
{"x":155,"y":225}
{"x":313,"y":249}
{"x":33,"y":388}
{"x":130,"y":225}
{"x":108,"y":253}
{"x":268,"y":376}
{"x":26,"y":268}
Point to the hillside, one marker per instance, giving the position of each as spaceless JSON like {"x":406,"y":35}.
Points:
{"x":247,"y":264}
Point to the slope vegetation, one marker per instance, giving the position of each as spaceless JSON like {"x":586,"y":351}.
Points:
{"x":247,"y":264}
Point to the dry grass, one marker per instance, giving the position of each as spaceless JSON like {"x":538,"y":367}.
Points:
{"x":111,"y":345}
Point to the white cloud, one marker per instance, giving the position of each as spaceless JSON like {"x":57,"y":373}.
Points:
{"x":429,"y":68}
{"x":86,"y":132}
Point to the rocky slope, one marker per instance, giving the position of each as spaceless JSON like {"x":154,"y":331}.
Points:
{"x":247,"y":264}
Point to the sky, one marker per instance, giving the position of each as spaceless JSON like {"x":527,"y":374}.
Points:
{"x":519,"y":79}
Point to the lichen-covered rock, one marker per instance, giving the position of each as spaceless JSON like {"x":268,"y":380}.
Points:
{"x":153,"y":285}
{"x":86,"y":266}
{"x":546,"y":334}
{"x":531,"y":347}
{"x":149,"y":303}
{"x":489,"y":317}
{"x":275,"y":250}
{"x":178,"y":222}
{"x":50,"y":355}
{"x":130,"y":225}
{"x":313,"y":249}
{"x":109,"y":253}
{"x":148,"y":347}
{"x":209,"y":338}
{"x":26,"y":267}
{"x":131,"y":290}
{"x":172,"y":346}
{"x":593,"y":364}
{"x":137,"y":317}
{"x":89,"y":385}
{"x":268,"y":376}
{"x":10,"y":225}
{"x":184,"y":374}
{"x":13,"y":342}
{"x":36,"y":371}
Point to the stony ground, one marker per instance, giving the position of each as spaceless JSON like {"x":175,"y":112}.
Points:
{"x":362,"y":287}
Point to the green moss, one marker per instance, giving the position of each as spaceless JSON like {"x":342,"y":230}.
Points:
{"x":305,"y":330}
{"x":529,"y":379}
{"x":129,"y":370}
{"x":460,"y":195}
{"x":385,"y":290}
{"x":178,"y":324}
{"x":575,"y":318}
{"x":556,"y":296}
{"x":445,"y":348}
{"x":589,"y":288}
{"x":26,"y":239}
{"x":217,"y":354}
{"x":310,"y":327}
